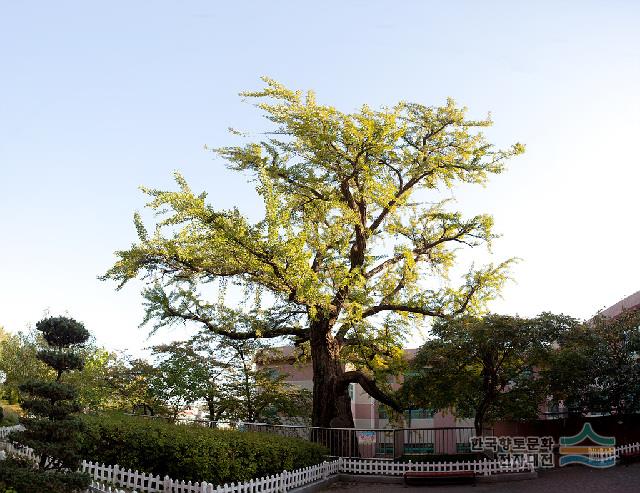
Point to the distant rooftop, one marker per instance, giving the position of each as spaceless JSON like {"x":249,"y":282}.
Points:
{"x":627,"y":303}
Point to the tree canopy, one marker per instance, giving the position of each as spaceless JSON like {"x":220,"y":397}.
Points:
{"x":19,"y":363}
{"x":486,"y":368}
{"x":223,"y":374}
{"x":354,"y":247}
{"x":596,"y":368}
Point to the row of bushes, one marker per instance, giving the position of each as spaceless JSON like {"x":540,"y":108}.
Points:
{"x":193,"y":453}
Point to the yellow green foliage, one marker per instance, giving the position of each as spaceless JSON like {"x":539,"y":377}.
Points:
{"x":347,"y":238}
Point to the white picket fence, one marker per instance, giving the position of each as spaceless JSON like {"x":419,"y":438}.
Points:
{"x":5,"y":430}
{"x":388,"y":468}
{"x":106,"y":478}
{"x":97,"y":487}
{"x":148,"y":483}
{"x":609,"y":454}
{"x":286,"y":480}
{"x":18,"y":450}
{"x":625,"y":449}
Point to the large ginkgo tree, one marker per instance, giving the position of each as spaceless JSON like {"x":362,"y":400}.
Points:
{"x":347,"y":259}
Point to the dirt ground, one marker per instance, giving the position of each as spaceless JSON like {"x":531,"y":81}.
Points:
{"x":578,"y":479}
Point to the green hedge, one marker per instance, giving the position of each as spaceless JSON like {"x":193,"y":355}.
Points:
{"x":193,"y":453}
{"x":22,"y":476}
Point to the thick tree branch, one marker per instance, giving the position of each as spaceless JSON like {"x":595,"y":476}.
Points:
{"x":399,"y":307}
{"x":416,"y":251}
{"x":277,"y":271}
{"x":266,"y":333}
{"x":404,"y":188}
{"x":370,"y":387}
{"x":302,"y":186}
{"x":401,"y":191}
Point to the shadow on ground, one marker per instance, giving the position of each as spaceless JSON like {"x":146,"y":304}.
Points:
{"x":573,"y":479}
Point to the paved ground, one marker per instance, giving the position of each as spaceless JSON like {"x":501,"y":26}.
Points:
{"x":576,"y":479}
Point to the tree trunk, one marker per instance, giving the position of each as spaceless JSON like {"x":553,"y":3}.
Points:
{"x":331,"y":401}
{"x":331,"y":407}
{"x":481,"y":412}
{"x":213,"y":415}
{"x":478,"y":422}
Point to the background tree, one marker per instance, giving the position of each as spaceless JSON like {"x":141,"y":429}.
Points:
{"x":130,"y":381}
{"x":596,"y":368}
{"x":335,"y":264}
{"x":261,"y":393}
{"x":19,"y":363}
{"x":183,"y":376}
{"x":94,"y":391}
{"x":51,"y":429}
{"x":223,"y":374}
{"x":3,"y":336}
{"x":200,"y":369}
{"x":485,"y":368}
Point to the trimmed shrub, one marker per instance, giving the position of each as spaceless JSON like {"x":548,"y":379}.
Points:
{"x":8,"y":417}
{"x":193,"y":453}
{"x":21,"y":475}
{"x":51,"y":429}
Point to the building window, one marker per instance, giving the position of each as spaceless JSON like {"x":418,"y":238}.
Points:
{"x":463,"y":448}
{"x":352,"y":387}
{"x":408,"y":415}
{"x":419,"y":414}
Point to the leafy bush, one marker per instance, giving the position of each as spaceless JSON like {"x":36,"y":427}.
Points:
{"x":193,"y":453}
{"x":23,"y":476}
{"x":8,"y":417}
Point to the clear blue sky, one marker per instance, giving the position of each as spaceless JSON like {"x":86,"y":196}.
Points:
{"x":97,"y":98}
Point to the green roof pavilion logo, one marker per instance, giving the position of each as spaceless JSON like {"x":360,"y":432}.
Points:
{"x":599,"y":453}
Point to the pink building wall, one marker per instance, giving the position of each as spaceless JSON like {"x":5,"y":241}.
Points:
{"x":365,"y":409}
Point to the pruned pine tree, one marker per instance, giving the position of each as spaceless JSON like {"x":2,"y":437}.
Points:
{"x":52,"y":430}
